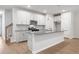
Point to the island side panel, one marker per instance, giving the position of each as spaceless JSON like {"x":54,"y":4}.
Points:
{"x":44,"y":41}
{"x":31,"y":41}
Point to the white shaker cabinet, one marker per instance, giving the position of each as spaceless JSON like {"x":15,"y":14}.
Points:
{"x":49,"y":22}
{"x":41,"y":19}
{"x":33,"y":16}
{"x":23,"y":17}
{"x":57,"y":18}
{"x":67,"y":24}
{"x":66,"y":21}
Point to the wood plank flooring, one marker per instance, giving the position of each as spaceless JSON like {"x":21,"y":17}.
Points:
{"x":14,"y":48}
{"x":69,"y":46}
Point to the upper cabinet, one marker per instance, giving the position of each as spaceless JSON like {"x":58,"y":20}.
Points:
{"x":41,"y":19}
{"x":57,"y":18}
{"x":23,"y":17}
{"x":49,"y":22}
{"x":33,"y":16}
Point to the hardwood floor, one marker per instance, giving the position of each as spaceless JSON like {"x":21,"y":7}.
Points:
{"x":14,"y":48}
{"x":69,"y":46}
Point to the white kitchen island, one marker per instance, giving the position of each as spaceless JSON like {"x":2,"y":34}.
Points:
{"x":38,"y":41}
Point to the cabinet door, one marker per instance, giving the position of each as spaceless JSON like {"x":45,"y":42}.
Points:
{"x":33,"y":17}
{"x":41,"y":20}
{"x":49,"y":22}
{"x":57,"y":18}
{"x":66,"y":21}
{"x":23,"y":17}
{"x":19,"y":36}
{"x":28,"y":18}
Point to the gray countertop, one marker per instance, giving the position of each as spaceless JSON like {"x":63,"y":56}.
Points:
{"x":39,"y":32}
{"x":44,"y":32}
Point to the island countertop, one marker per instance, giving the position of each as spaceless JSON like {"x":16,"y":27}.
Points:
{"x":43,"y":32}
{"x":40,"y":40}
{"x":39,"y":32}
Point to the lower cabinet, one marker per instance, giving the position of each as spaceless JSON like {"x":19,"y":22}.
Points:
{"x":21,"y":36}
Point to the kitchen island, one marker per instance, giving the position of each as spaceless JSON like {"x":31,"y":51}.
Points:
{"x":38,"y":41}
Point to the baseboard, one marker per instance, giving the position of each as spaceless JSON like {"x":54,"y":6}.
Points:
{"x":75,"y":38}
{"x":18,"y":42}
{"x":66,"y":38}
{"x":22,"y":41}
{"x":71,"y":38}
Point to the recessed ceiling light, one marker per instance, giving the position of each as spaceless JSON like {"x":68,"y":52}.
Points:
{"x":64,"y":10}
{"x":45,"y":11}
{"x":1,"y":12}
{"x":28,"y":6}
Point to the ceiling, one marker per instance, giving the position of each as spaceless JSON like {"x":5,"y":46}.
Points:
{"x":55,"y":8}
{"x":45,"y":8}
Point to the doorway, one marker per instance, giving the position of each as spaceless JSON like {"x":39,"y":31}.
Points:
{"x":0,"y":25}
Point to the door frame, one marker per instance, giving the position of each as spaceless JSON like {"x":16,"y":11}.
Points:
{"x":1,"y":25}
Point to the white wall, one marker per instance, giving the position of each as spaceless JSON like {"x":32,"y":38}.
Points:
{"x":6,"y":19}
{"x":8,"y":16}
{"x":76,"y":24}
{"x":3,"y":24}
